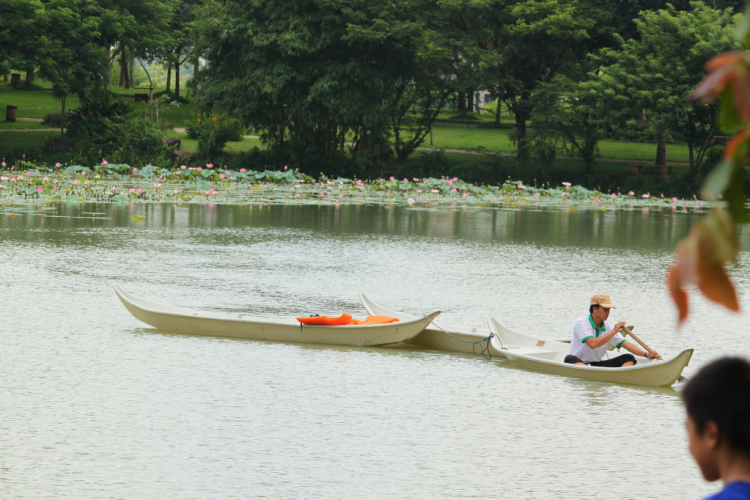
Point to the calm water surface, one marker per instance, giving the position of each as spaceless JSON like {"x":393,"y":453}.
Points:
{"x":95,"y":404}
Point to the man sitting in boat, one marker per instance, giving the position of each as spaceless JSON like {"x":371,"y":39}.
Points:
{"x":592,"y":336}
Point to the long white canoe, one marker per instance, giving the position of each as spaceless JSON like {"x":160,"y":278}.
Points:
{"x":444,"y":337}
{"x":548,"y":355}
{"x":180,"y":320}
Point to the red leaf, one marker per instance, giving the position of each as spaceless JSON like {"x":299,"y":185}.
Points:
{"x":713,"y":84}
{"x":733,"y":143}
{"x":679,"y":296}
{"x":716,"y":285}
{"x":724,"y":59}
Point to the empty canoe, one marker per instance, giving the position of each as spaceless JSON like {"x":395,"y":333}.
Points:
{"x":179,"y":320}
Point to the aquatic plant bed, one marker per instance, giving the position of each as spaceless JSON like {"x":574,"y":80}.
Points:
{"x":150,"y":184}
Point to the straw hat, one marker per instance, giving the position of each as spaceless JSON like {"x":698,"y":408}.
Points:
{"x":602,"y":300}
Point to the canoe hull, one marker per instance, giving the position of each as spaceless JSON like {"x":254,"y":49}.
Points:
{"x":179,"y":320}
{"x":432,"y":337}
{"x":547,"y":356}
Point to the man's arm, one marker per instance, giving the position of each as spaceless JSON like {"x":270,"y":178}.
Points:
{"x":595,"y":342}
{"x":638,"y":351}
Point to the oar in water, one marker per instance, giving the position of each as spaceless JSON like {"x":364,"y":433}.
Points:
{"x":648,"y":349}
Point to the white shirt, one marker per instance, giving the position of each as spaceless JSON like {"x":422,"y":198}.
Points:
{"x":585,"y":329}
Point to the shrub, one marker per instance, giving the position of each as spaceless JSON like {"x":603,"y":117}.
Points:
{"x":213,"y":132}
{"x":55,"y":119}
{"x":93,"y":119}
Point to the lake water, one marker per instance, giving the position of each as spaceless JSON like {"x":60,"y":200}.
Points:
{"x":95,"y":404}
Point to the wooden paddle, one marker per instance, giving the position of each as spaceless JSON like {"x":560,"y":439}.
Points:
{"x":643,"y":344}
{"x":648,"y":349}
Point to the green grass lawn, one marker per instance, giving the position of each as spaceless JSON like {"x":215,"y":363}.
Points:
{"x":38,"y":102}
{"x":232,"y":147}
{"x":455,"y":136}
{"x":5,"y":125}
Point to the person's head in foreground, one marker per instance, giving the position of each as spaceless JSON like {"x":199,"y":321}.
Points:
{"x":717,"y":401}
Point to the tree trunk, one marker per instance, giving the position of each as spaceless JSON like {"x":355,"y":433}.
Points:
{"x":461,"y":102}
{"x":497,"y":111}
{"x":30,"y":74}
{"x":62,"y":123}
{"x":124,"y":69}
{"x":523,"y":145}
{"x":177,"y":80}
{"x":690,"y":154}
{"x":661,"y":149}
{"x":470,"y":102}
{"x":131,"y":66}
{"x":169,"y":77}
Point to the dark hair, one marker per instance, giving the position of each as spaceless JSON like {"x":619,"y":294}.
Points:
{"x":591,"y":308}
{"x":720,"y":393}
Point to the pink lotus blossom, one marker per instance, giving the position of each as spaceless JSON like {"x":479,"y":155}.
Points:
{"x":285,"y":167}
{"x":450,"y":183}
{"x":536,"y":195}
{"x":3,"y":164}
{"x":221,"y":176}
{"x":55,"y":181}
{"x":466,"y":194}
{"x":454,"y":190}
{"x":613,"y":195}
{"x":415,"y":179}
{"x":419,"y":190}
{"x":28,"y":173}
{"x":56,"y":164}
{"x":140,"y":191}
{"x":674,"y":199}
{"x":76,"y":182}
{"x":132,"y":190}
{"x":199,"y":169}
{"x":243,"y":170}
{"x":183,"y":167}
{"x":135,"y":169}
{"x":105,"y":162}
{"x":149,"y":165}
{"x":392,"y":178}
{"x":698,"y":203}
{"x":359,"y":181}
{"x":631,"y":193}
{"x":40,"y":190}
{"x":406,"y":180}
{"x":455,"y":178}
{"x":596,"y":200}
{"x":45,"y":179}
{"x":175,"y":191}
{"x":113,"y":188}
{"x":647,"y":195}
{"x":434,"y":191}
{"x":210,"y":165}
{"x":87,"y":182}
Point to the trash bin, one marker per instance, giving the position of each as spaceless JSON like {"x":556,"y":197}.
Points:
{"x":15,"y":79}
{"x":11,"y":112}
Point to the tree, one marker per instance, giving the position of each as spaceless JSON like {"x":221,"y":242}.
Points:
{"x":567,"y":114}
{"x":72,"y":60}
{"x":647,"y":81}
{"x":311,"y":75}
{"x":21,"y":38}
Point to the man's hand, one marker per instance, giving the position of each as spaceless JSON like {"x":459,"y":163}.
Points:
{"x":619,"y":325}
{"x":655,"y":355}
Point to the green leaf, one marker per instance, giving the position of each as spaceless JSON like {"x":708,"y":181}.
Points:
{"x":719,"y":179}
{"x":121,"y":198}
{"x":728,"y":119}
{"x":735,"y":196}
